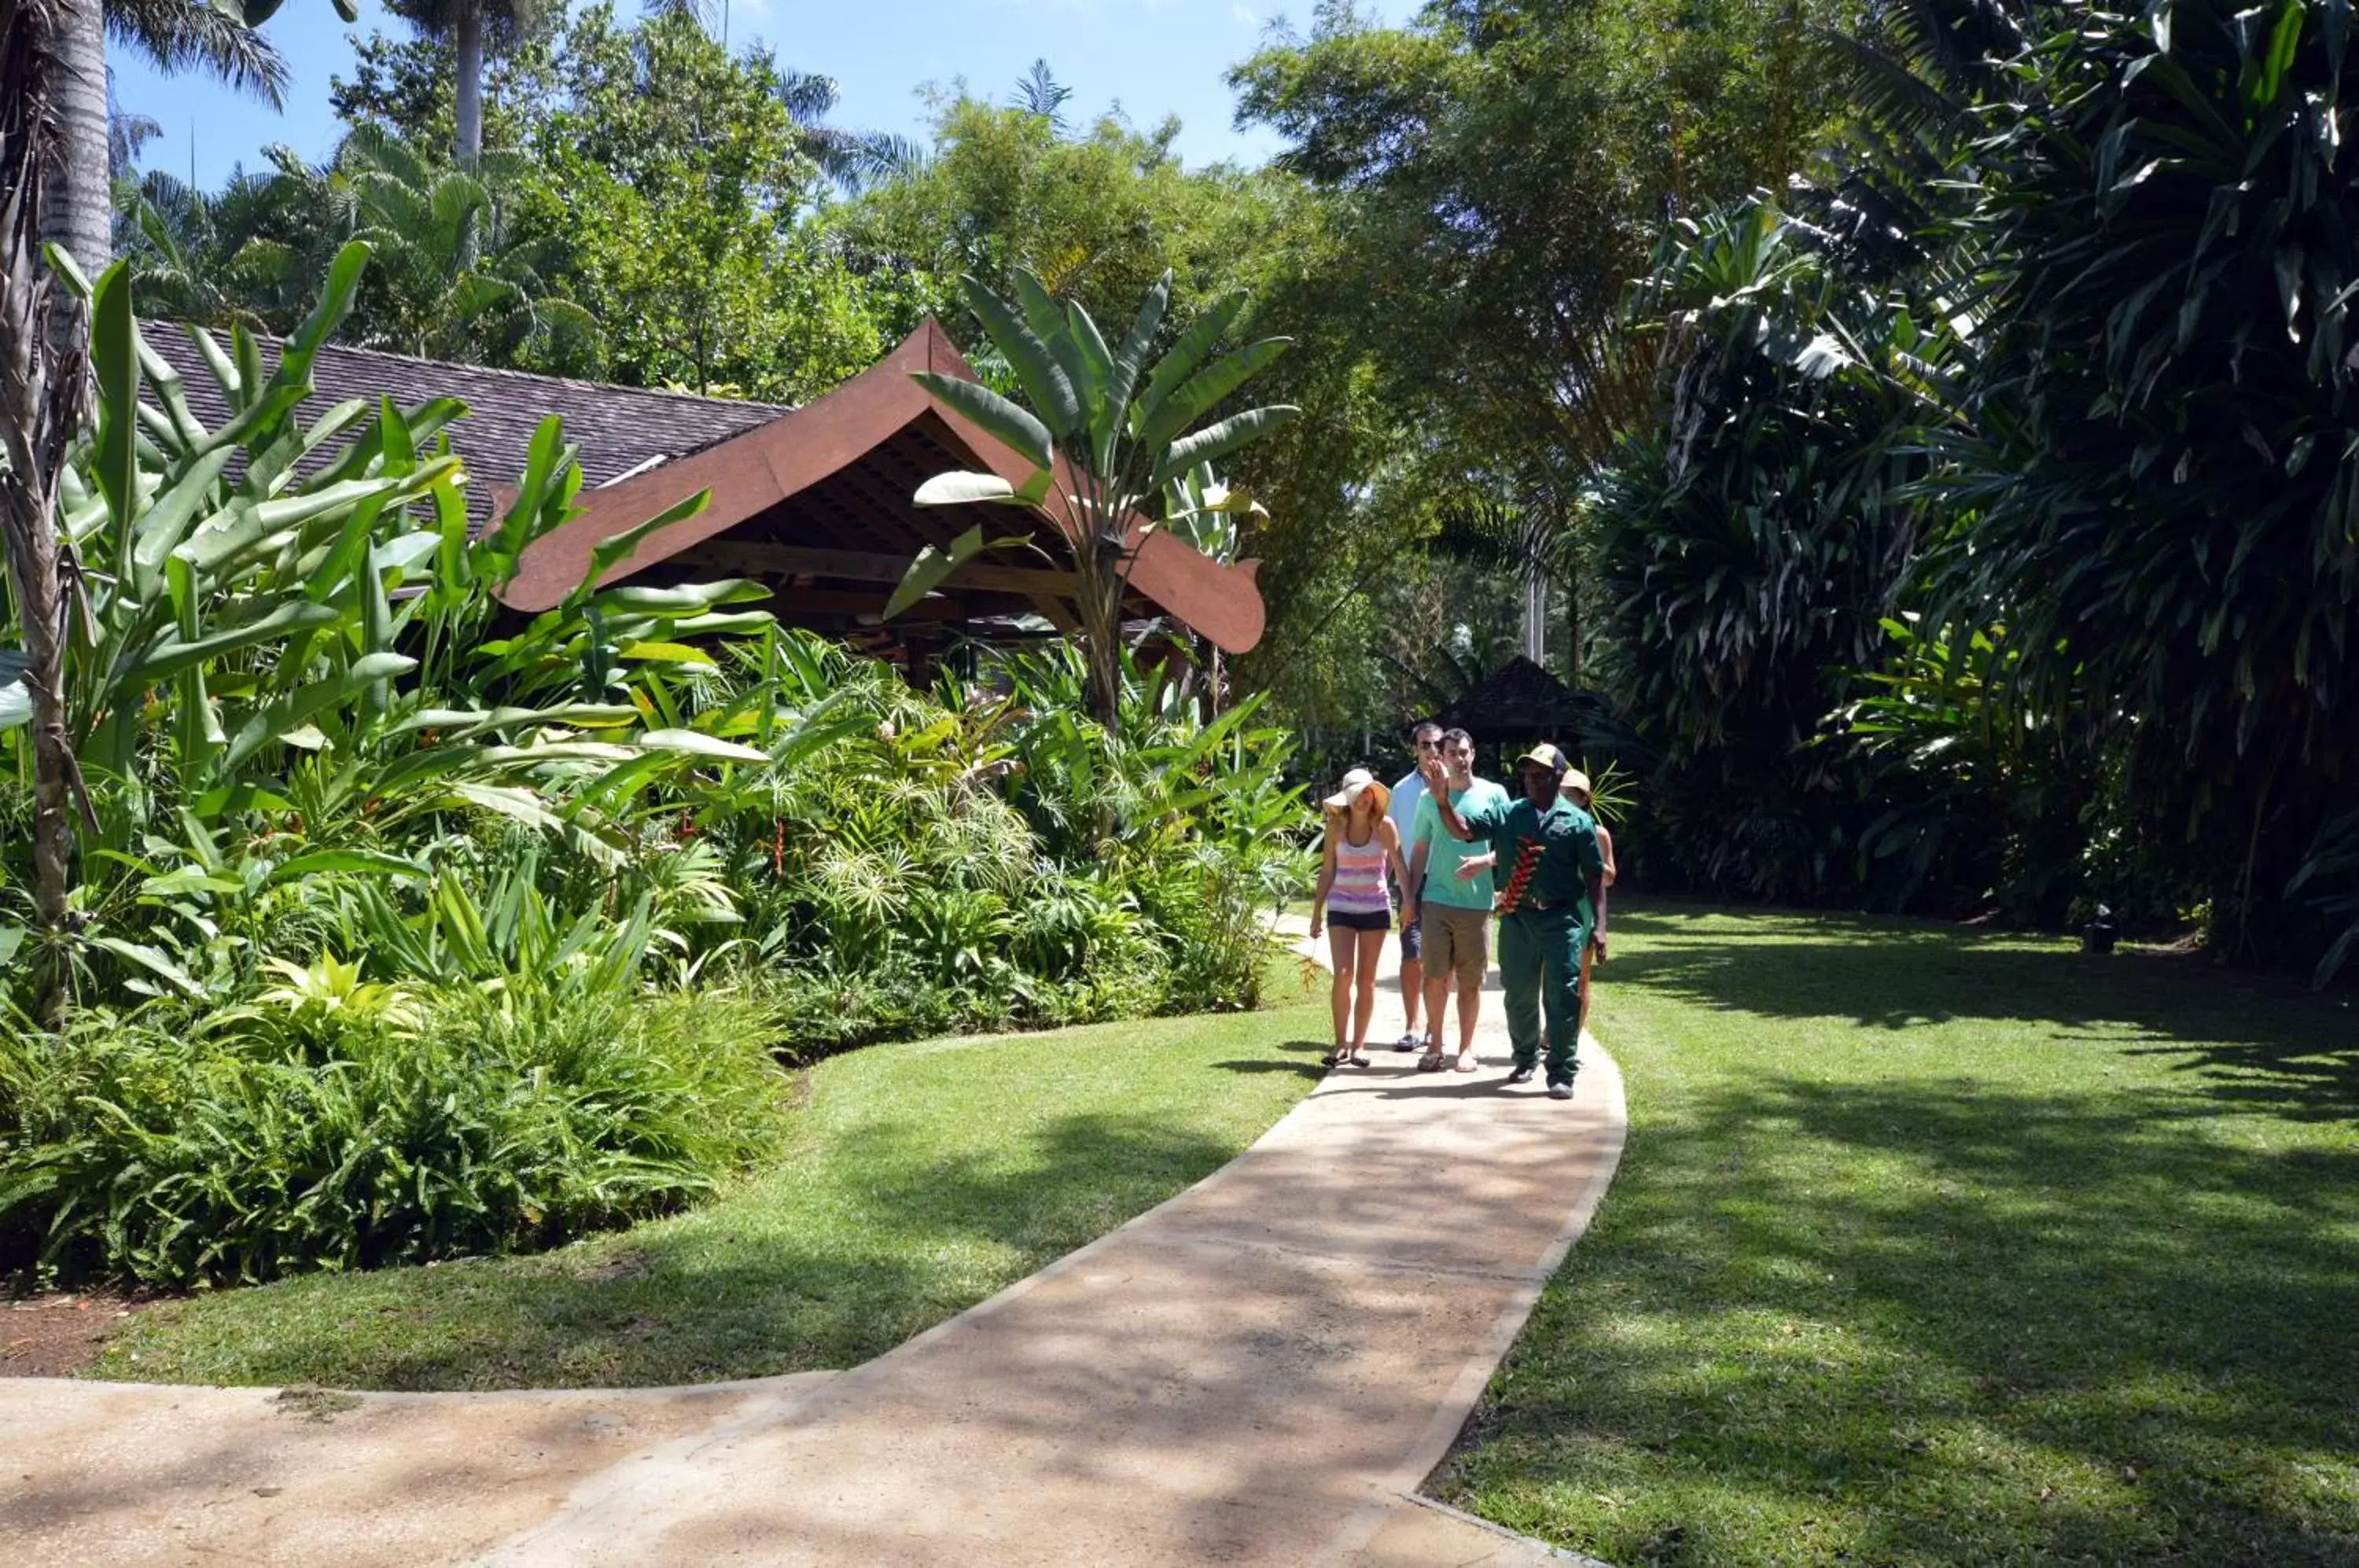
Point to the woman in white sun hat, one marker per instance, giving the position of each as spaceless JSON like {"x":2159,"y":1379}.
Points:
{"x":1353,"y":904}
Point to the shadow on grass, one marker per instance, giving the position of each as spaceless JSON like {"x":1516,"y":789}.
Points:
{"x":1312,"y":1071}
{"x":2050,"y":1330}
{"x":1955,"y":1316}
{"x":2249,"y":1039}
{"x":781,"y":1283}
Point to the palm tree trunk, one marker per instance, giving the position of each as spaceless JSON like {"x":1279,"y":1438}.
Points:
{"x":79,"y":205}
{"x":33,"y":580}
{"x":471,"y":84}
{"x":52,"y":75}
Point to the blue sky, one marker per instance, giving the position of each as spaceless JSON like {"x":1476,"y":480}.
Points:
{"x":1154,"y":57}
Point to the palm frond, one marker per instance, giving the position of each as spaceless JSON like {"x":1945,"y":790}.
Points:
{"x":185,"y":35}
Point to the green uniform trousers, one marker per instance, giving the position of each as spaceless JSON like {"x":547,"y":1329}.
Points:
{"x":1540,"y":967}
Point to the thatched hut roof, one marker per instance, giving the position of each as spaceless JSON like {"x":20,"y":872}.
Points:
{"x":1521,"y":702}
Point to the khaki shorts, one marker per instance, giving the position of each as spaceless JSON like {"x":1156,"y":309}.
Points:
{"x":1456,"y":942}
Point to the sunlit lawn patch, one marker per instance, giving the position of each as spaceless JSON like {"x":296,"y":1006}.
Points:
{"x":1932,"y":1247}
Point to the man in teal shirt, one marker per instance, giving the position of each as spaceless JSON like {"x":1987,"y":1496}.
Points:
{"x":1543,"y":848}
{"x":1450,"y":892}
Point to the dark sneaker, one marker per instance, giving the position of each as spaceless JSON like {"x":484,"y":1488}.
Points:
{"x":1521,"y":1075}
{"x":1560,"y":1090}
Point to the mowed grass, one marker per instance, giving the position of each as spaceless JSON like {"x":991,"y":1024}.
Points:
{"x":921,"y":1179}
{"x":1937,"y":1248}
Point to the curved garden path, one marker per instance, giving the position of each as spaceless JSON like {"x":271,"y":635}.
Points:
{"x":1261,"y":1370}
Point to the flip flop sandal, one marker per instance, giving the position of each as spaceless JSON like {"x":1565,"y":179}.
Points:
{"x":1431,"y":1062}
{"x":1334,"y":1058}
{"x":1467,"y":1064}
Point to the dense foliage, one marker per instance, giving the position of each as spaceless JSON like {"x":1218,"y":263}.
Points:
{"x":1747,"y":550}
{"x":2163,"y":470}
{"x":337,"y":1123}
{"x":2071,"y":360}
{"x":640,"y":213}
{"x":394,"y":930}
{"x":1925,"y":423}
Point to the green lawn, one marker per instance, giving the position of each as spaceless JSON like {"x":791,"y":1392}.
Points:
{"x":1937,"y":1248}
{"x":922,"y":1179}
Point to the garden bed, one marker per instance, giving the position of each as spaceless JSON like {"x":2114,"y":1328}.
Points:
{"x":919,"y":1179}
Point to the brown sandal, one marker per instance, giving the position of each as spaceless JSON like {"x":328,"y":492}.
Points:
{"x":1431,"y":1062}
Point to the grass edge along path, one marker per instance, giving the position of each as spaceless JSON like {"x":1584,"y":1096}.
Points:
{"x":1936,"y":1248}
{"x":919,"y":1179}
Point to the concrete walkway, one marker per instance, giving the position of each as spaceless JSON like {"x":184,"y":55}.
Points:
{"x":1261,"y":1370}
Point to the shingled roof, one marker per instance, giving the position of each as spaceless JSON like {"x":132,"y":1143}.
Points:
{"x":820,"y":504}
{"x":620,"y":430}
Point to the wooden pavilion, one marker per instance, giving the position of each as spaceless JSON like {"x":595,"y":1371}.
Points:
{"x":816,"y":503}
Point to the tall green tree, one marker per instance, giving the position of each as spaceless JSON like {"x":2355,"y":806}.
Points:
{"x":469,"y":27}
{"x":461,"y":280}
{"x":1500,"y":172}
{"x":253,"y":253}
{"x":1098,"y":214}
{"x":672,"y":176}
{"x":219,"y":35}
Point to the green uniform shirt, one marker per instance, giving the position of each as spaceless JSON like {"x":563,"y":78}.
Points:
{"x":1560,"y":845}
{"x":1444,"y":854}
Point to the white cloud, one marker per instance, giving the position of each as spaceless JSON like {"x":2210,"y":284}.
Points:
{"x":1244,"y":15}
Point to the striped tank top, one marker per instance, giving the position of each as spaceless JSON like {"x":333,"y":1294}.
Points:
{"x":1361,"y":885}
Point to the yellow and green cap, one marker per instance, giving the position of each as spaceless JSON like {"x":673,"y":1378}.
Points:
{"x":1548,"y":756}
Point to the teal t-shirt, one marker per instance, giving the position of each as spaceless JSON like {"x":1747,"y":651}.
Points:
{"x":1444,"y":853}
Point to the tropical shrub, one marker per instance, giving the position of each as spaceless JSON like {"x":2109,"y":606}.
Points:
{"x":985,"y":854}
{"x":335,"y":1122}
{"x":282,"y":609}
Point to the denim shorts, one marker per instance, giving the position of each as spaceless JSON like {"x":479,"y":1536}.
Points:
{"x":1413,"y":941}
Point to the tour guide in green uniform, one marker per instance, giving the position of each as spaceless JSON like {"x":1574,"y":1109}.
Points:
{"x":1552,"y":904}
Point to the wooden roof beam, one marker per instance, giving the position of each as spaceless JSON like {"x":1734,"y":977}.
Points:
{"x":865,"y":566}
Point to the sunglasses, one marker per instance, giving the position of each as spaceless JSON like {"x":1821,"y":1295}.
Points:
{"x":1429,"y":745}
